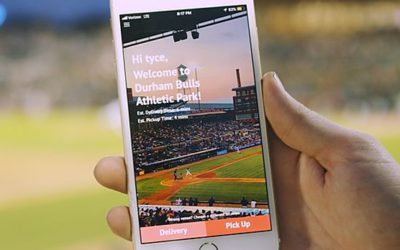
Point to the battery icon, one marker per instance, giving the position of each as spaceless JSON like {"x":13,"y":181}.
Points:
{"x":240,"y":8}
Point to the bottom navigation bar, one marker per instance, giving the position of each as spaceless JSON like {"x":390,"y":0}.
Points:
{"x":202,"y":229}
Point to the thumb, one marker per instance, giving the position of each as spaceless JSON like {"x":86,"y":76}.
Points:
{"x":297,"y":126}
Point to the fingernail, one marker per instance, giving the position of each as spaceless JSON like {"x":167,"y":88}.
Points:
{"x":276,"y":77}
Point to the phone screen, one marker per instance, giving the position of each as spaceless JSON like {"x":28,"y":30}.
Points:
{"x":194,"y":119}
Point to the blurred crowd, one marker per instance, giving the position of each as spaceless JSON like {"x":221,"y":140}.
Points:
{"x":173,"y":140}
{"x":330,"y":58}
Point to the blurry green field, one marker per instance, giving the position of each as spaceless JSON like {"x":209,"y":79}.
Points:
{"x":392,"y":144}
{"x":62,"y":132}
{"x":248,"y":168}
{"x":224,"y":192}
{"x":46,"y":167}
{"x":55,"y":222}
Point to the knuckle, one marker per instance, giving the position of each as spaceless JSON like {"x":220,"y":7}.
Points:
{"x":366,"y":140}
{"x":356,"y":146}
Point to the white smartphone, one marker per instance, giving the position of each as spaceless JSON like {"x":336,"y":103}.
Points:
{"x":193,"y":125}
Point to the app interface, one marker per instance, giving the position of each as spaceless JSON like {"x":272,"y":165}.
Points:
{"x":194,"y":119}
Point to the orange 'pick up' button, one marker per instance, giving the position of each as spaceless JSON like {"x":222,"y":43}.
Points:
{"x":238,"y":225}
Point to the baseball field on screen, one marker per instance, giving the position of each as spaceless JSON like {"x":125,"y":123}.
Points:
{"x":227,"y":178}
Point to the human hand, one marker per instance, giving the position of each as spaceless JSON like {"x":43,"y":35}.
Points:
{"x":325,"y":177}
{"x":335,"y":188}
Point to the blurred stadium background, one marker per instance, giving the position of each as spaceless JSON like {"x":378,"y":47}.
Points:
{"x":58,"y":109}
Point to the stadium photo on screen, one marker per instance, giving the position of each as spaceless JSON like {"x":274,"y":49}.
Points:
{"x":195,"y":125}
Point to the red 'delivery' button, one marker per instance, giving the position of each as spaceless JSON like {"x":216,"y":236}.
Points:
{"x":173,"y":232}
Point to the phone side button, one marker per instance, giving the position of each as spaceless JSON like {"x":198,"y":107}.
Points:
{"x":208,"y":246}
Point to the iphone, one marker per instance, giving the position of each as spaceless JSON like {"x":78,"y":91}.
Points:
{"x":193,"y":125}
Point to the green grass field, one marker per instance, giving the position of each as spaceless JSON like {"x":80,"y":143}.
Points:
{"x":224,"y":192}
{"x":248,"y":168}
{"x":230,"y":192}
{"x":207,"y":164}
{"x":148,"y":187}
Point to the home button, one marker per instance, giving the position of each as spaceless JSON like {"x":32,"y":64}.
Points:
{"x":208,"y":246}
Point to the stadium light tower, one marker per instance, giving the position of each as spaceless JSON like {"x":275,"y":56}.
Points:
{"x":180,"y":36}
{"x":195,"y":34}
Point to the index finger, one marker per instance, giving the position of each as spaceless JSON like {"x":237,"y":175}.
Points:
{"x":111,"y":173}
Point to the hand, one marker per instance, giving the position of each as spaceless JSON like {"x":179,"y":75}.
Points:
{"x":335,"y":188}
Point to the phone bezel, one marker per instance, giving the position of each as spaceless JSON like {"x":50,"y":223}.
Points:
{"x":257,"y":241}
